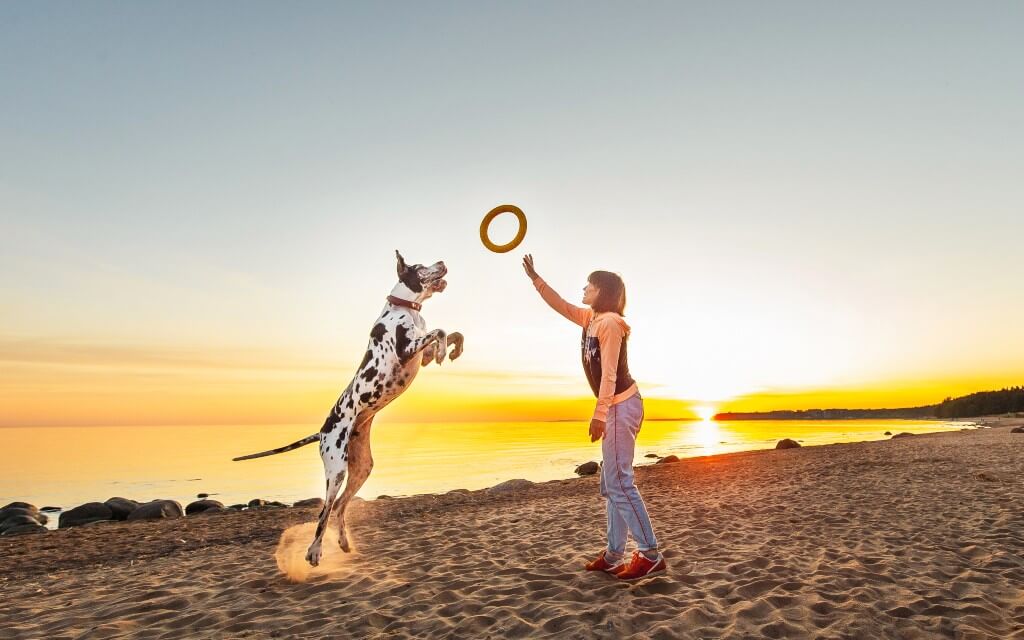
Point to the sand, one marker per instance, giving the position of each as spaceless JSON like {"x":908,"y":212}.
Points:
{"x":918,"y":537}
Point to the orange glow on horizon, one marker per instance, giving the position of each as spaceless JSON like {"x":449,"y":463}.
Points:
{"x":95,"y":387}
{"x":90,"y":397}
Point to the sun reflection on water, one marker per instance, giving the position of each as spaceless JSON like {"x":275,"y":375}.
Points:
{"x":705,"y":432}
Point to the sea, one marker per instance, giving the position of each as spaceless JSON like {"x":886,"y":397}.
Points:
{"x":68,"y":466}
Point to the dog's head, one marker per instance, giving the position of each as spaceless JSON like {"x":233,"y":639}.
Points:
{"x":422,"y":281}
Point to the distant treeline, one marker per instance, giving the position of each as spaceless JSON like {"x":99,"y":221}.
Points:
{"x":984,"y":403}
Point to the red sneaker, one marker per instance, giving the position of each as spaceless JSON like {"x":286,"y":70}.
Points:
{"x":600,"y":564}
{"x":640,"y":567}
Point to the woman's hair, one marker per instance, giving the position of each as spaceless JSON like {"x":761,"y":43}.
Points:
{"x":612,"y":292}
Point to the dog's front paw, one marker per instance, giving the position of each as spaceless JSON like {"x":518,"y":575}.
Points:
{"x":314,"y":554}
{"x":457,"y":340}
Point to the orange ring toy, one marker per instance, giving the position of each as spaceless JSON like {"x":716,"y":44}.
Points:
{"x":494,"y":213}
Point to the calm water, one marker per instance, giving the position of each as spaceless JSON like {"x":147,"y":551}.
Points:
{"x":68,"y":466}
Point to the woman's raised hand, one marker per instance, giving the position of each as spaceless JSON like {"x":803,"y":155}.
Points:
{"x":528,"y":266}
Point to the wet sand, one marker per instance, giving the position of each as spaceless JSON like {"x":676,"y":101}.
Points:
{"x":917,"y":537}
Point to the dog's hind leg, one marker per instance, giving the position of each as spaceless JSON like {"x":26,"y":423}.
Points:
{"x":360,"y":463}
{"x":315,"y":551}
{"x":334,"y":439}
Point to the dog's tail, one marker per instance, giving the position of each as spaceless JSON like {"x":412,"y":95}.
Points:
{"x":287,"y":447}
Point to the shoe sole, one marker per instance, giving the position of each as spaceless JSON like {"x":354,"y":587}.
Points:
{"x":656,"y":572}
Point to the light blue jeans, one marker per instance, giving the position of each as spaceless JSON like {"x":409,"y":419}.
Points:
{"x":626,"y":509}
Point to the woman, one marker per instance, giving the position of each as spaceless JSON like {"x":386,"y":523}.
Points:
{"x":617,"y":418}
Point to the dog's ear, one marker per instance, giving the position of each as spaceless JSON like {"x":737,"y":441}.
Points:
{"x":401,"y":263}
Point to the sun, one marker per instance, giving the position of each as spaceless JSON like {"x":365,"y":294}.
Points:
{"x":705,"y":413}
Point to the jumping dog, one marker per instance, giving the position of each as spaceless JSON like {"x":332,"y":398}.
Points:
{"x":399,"y":345}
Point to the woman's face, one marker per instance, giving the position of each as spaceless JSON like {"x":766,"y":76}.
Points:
{"x":590,"y":294}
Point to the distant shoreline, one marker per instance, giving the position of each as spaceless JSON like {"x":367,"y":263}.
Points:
{"x":1007,"y":401}
{"x":826,"y":414}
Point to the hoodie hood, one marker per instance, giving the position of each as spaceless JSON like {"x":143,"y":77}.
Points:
{"x":611,"y":316}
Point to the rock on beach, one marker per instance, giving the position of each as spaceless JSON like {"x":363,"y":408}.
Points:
{"x":121,"y":507}
{"x":587,"y":469}
{"x":511,"y":486}
{"x":84,"y":514}
{"x":203,"y":506}
{"x":157,"y":510}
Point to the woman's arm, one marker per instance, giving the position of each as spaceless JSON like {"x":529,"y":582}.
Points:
{"x":571,"y":312}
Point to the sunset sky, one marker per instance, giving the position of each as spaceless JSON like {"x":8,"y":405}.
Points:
{"x":812,"y":204}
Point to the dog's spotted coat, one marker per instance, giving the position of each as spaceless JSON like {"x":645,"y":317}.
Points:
{"x":399,"y":345}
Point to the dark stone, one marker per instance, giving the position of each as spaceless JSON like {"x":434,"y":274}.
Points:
{"x":16,"y":521}
{"x":587,"y":469}
{"x":202,"y":506}
{"x":19,"y":505}
{"x":274,"y":504}
{"x":903,"y":435}
{"x":122,"y":507}
{"x":157,"y":510}
{"x":668,"y":459}
{"x":23,"y":529}
{"x":51,"y":509}
{"x":887,"y":433}
{"x":384,"y":498}
{"x":202,"y":495}
{"x":652,"y":455}
{"x":10,"y":512}
{"x":511,"y":486}
{"x":257,"y":503}
{"x":1017,"y":430}
{"x":237,"y":507}
{"x":311,"y":502}
{"x":84,"y":514}
{"x":787,"y":443}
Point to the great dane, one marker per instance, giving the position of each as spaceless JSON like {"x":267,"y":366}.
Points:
{"x":399,"y":345}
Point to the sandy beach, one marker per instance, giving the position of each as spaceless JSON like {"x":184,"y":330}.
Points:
{"x":916,"y":537}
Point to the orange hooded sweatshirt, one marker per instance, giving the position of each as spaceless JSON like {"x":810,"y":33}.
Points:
{"x":603,"y":349}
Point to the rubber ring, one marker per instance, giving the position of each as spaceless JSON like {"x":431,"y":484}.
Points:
{"x":494,"y":213}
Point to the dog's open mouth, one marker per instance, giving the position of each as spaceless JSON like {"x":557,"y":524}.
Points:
{"x":438,"y":284}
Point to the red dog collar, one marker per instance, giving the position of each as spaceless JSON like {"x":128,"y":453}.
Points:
{"x":415,"y":306}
